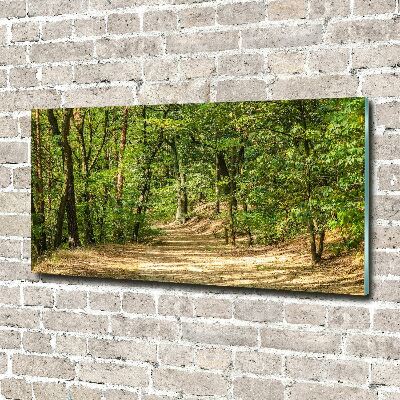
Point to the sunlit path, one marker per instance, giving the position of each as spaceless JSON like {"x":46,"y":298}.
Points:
{"x":184,"y":255}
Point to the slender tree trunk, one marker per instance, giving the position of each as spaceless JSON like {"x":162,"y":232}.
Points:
{"x":217,"y":209}
{"x":122,"y":145}
{"x":182,"y":196}
{"x":60,"y":220}
{"x":79,"y":120}
{"x":40,"y":208}
{"x":119,"y":233}
{"x":182,"y":207}
{"x":73,"y":231}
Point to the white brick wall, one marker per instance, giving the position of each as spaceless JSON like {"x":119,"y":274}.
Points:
{"x":66,"y":338}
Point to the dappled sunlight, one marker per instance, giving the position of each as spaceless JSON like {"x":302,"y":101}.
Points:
{"x":186,"y":256}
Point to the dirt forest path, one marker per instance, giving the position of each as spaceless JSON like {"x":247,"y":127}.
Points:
{"x":182,"y":254}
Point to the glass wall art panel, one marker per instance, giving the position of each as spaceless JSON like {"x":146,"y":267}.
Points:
{"x":265,"y":195}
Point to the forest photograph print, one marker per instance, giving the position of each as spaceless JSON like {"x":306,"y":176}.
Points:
{"x":266,"y":195}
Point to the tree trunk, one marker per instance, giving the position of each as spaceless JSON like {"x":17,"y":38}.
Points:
{"x":40,"y":204}
{"x":70,"y":186}
{"x":86,"y":196}
{"x":217,"y":209}
{"x":122,"y":145}
{"x":119,"y":233}
{"x":182,"y":197}
{"x":60,"y":220}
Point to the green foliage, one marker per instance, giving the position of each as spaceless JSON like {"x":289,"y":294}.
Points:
{"x":286,"y":166}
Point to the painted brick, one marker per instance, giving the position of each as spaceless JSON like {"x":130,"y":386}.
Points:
{"x":317,"y":369}
{"x":15,"y":225}
{"x":305,"y":314}
{"x":21,"y":176}
{"x":241,"y":64}
{"x":105,"y":301}
{"x":197,"y":67}
{"x":10,"y":248}
{"x":285,"y":36}
{"x":123,"y":23}
{"x":387,"y":320}
{"x":193,"y":91}
{"x":385,"y":374}
{"x":385,"y":147}
{"x":244,"y":89}
{"x":389,"y":177}
{"x":25,"y":32}
{"x":257,"y":362}
{"x":10,"y":295}
{"x":213,"y":358}
{"x":74,"y":322}
{"x":45,"y":391}
{"x":37,"y":342}
{"x":376,"y":57}
{"x":386,"y":264}
{"x":83,"y":392}
{"x":329,"y":86}
{"x":328,"y":61}
{"x":175,"y":354}
{"x":96,"y":97}
{"x":114,"y":374}
{"x":293,"y":62}
{"x":387,"y":290}
{"x":203,"y":41}
{"x":189,"y":382}
{"x":94,"y":26}
{"x":72,"y":300}
{"x":175,"y":305}
{"x":386,"y":237}
{"x":57,"y":52}
{"x":13,"y":152}
{"x":159,"y":69}
{"x":159,"y":21}
{"x":57,"y":75}
{"x":38,"y":296}
{"x":363,"y":31}
{"x":381,"y":85}
{"x":329,"y":8}
{"x":142,"y":327}
{"x":308,"y":391}
{"x":10,"y":339}
{"x":12,"y":388}
{"x":53,"y":30}
{"x":228,"y":335}
{"x":194,"y":17}
{"x":48,"y":367}
{"x":12,"y":8}
{"x":138,"y":303}
{"x":5,"y":177}
{"x":313,"y":342}
{"x":23,"y":77}
{"x":120,"y":394}
{"x":348,"y":318}
{"x":241,"y":13}
{"x":373,"y":346}
{"x":56,"y":7}
{"x":71,"y":345}
{"x":247,"y":388}
{"x":258,"y":310}
{"x":127,"y":48}
{"x":282,"y":10}
{"x":388,"y":114}
{"x":214,"y":308}
{"x":367,"y":7}
{"x":9,"y":127}
{"x":123,"y":349}
{"x":108,"y":72}
{"x":12,"y":55}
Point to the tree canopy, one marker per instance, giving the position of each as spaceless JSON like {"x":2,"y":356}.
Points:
{"x":270,"y":171}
